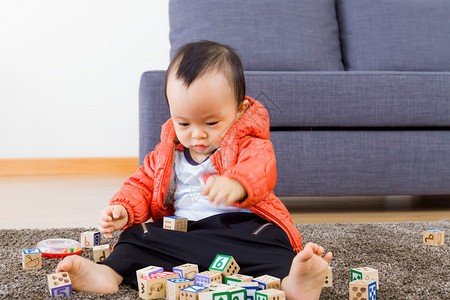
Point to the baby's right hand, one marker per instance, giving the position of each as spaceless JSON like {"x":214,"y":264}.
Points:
{"x":112,"y":218}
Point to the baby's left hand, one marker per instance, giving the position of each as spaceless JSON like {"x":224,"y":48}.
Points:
{"x":219,"y":188}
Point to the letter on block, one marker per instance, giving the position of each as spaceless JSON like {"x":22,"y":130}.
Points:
{"x":206,"y":277}
{"x":363,"y":289}
{"x":152,"y":287}
{"x":233,"y":279}
{"x":329,"y":279}
{"x":89,"y":239}
{"x":187,"y":270}
{"x":225,"y":264}
{"x":270,"y":294}
{"x":101,"y":252}
{"x":192,"y":292}
{"x":433,"y":237}
{"x":59,"y":284}
{"x":173,"y":287}
{"x":147,"y":271}
{"x":31,"y":259}
{"x":266,"y":282}
{"x":365,"y":274}
{"x":175,"y":223}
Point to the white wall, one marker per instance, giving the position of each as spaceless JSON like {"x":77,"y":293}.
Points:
{"x":69,"y":74}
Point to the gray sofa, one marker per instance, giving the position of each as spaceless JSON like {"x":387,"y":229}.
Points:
{"x":358,"y":91}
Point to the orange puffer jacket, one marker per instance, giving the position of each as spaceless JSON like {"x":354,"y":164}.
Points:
{"x":245,"y":154}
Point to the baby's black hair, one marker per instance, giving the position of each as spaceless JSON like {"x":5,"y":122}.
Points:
{"x":195,"y":59}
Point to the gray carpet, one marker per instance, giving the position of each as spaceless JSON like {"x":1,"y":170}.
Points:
{"x":407,"y":268}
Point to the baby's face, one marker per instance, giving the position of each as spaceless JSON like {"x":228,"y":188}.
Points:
{"x":203,"y":112}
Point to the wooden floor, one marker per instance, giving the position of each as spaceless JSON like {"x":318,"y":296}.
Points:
{"x":76,"y":200}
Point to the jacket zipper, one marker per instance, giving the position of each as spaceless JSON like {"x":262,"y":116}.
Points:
{"x":260,"y":228}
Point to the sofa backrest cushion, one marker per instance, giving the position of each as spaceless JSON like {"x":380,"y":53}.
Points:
{"x":288,"y":35}
{"x":395,"y":35}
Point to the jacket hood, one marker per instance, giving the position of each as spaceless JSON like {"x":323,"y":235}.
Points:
{"x":254,"y":122}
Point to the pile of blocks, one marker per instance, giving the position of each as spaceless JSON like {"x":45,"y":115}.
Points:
{"x":220,"y":282}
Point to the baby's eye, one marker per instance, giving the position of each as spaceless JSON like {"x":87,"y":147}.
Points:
{"x":183,"y":124}
{"x":211,"y":123}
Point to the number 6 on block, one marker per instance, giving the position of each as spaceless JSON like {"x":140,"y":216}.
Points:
{"x":225,"y":264}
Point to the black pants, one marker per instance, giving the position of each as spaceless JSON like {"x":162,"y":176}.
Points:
{"x":259,"y":247}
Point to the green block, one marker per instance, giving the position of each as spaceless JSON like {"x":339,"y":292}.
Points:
{"x":259,"y":296}
{"x":220,"y":262}
{"x":221,"y":296}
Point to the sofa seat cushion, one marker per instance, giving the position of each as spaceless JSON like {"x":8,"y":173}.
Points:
{"x":353,"y":99}
{"x":395,"y":35}
{"x":353,"y":162}
{"x":289,"y":35}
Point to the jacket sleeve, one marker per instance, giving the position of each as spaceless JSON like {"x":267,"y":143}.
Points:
{"x":255,"y":170}
{"x":136,"y":193}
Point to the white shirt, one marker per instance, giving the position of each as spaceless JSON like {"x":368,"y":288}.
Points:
{"x":190,"y":179}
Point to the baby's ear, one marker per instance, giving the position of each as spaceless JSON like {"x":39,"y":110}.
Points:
{"x":242,"y":108}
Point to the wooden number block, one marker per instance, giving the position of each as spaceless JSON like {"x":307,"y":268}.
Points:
{"x":251,"y":287}
{"x":266,"y":282}
{"x":173,"y":287}
{"x":175,"y":223}
{"x":147,"y":271}
{"x":233,"y":279}
{"x":151,"y":287}
{"x":225,"y":264}
{"x":206,"y":277}
{"x":329,"y":279}
{"x":31,"y":259}
{"x":89,"y":239}
{"x":192,"y":292}
{"x":59,"y":284}
{"x":101,"y":252}
{"x":433,"y":237}
{"x":363,"y":289}
{"x":365,"y":274}
{"x":187,"y":271}
{"x":270,"y":294}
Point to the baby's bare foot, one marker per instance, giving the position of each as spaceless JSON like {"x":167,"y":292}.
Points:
{"x":90,"y":277}
{"x":307,"y":274}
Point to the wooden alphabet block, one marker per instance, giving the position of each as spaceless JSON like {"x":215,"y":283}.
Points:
{"x":363,"y":289}
{"x":433,"y":237}
{"x":151,"y":287}
{"x":173,"y":287}
{"x":329,"y":279}
{"x":266,"y":282}
{"x":59,"y":284}
{"x":166,"y":275}
{"x":270,"y":294}
{"x":175,"y":223}
{"x":192,"y":292}
{"x":233,"y":279}
{"x":101,"y":252}
{"x":187,"y":270}
{"x":89,"y":239}
{"x":365,"y":273}
{"x":31,"y":259}
{"x":147,"y":271}
{"x":206,"y":277}
{"x":225,"y":264}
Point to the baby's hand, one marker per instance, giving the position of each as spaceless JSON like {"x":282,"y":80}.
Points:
{"x":219,"y":188}
{"x":112,"y":218}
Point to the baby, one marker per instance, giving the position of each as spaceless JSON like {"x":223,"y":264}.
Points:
{"x":215,"y":165}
